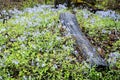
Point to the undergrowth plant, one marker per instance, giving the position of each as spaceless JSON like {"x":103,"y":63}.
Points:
{"x":33,"y":48}
{"x":101,"y":28}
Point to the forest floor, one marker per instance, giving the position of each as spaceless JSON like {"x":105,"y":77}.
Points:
{"x":33,"y":44}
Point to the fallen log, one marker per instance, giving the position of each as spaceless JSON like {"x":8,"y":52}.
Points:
{"x":88,"y":52}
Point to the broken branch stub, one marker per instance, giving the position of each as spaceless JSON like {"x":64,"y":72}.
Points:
{"x":88,"y":52}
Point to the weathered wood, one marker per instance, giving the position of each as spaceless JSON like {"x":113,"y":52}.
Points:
{"x":88,"y":52}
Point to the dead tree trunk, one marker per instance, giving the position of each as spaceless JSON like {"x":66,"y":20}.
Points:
{"x":88,"y":52}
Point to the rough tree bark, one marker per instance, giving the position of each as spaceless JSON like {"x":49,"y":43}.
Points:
{"x":88,"y":52}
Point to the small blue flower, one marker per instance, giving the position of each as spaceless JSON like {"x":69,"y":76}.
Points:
{"x":15,"y":62}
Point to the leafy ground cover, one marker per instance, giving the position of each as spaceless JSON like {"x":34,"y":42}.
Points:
{"x":33,"y":45}
{"x":102,"y":28}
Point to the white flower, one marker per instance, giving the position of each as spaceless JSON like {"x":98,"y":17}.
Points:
{"x":51,"y":43}
{"x":43,"y":65}
{"x":33,"y":46}
{"x":86,"y":16}
{"x":0,"y":49}
{"x":2,"y":30}
{"x":15,"y":61}
{"x":4,"y":46}
{"x":76,"y":52}
{"x":58,"y":38}
{"x":35,"y":34}
{"x":22,"y":38}
{"x":61,"y":6}
{"x":22,"y":45}
{"x":1,"y":78}
{"x":104,"y":31}
{"x":37,"y":64}
{"x":92,"y":21}
{"x":55,"y":66}
{"x":32,"y":63}
{"x":25,"y":78}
